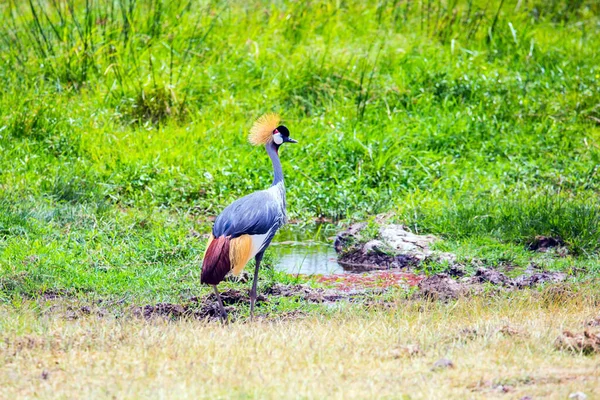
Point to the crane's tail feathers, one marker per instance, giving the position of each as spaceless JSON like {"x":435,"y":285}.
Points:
{"x":216,"y":262}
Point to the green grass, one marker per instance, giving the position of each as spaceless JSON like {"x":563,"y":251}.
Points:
{"x":123,"y":127}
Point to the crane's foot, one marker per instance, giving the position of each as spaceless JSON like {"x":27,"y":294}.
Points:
{"x":223,"y":313}
{"x":224,"y":317}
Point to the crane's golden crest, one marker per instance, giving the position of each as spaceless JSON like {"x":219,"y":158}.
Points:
{"x":262,"y":130}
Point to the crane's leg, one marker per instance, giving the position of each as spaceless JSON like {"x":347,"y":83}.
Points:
{"x":223,"y":312}
{"x":257,"y":260}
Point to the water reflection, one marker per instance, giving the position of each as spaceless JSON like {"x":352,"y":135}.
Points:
{"x":306,"y":250}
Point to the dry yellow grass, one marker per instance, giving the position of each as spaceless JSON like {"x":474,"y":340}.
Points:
{"x":350,"y":352}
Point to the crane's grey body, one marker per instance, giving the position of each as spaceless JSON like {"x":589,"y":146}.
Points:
{"x":259,"y":215}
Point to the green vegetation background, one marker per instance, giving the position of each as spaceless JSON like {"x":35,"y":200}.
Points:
{"x":123,"y":128}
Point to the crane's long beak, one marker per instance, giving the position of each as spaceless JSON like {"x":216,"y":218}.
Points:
{"x":290,"y":140}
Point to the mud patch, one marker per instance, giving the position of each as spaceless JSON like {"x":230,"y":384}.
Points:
{"x":51,"y":294}
{"x":207,"y":308}
{"x":197,"y":307}
{"x":538,"y":278}
{"x":311,"y":295}
{"x":359,"y":261}
{"x":377,"y":280}
{"x":508,"y":385}
{"x":444,"y":287}
{"x":587,"y":342}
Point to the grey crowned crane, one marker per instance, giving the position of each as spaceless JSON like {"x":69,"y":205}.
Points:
{"x":246,"y":227}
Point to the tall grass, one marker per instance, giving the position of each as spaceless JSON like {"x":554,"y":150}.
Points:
{"x":134,"y":116}
{"x":518,"y":218}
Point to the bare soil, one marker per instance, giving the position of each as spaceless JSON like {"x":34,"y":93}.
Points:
{"x":444,"y":287}
{"x":586,"y":342}
{"x":358,"y":288}
{"x":206,"y":307}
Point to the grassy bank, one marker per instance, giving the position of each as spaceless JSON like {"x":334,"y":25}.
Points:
{"x":123,"y":124}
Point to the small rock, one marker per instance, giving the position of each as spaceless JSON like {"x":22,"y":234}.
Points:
{"x":404,"y":241}
{"x":594,"y":322}
{"x":442,"y":363}
{"x":526,"y":398}
{"x":45,"y":375}
{"x":504,"y":388}
{"x":578,"y":396}
{"x":395,"y":247}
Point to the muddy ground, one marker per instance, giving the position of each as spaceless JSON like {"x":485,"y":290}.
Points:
{"x":206,"y":307}
{"x":390,"y":262}
{"x":396,"y":253}
{"x":364,"y":289}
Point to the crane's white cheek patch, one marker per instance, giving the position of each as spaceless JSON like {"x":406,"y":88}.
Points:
{"x":277,"y":138}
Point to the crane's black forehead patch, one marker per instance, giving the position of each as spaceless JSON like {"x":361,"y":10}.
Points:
{"x":283,"y":130}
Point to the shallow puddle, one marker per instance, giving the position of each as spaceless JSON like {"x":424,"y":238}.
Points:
{"x":306,"y":250}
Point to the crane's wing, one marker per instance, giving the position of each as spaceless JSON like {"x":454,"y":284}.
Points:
{"x":255,"y":214}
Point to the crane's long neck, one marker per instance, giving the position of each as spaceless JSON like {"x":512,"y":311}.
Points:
{"x":277,"y":171}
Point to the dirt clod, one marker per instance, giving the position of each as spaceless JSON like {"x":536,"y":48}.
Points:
{"x":207,"y":306}
{"x":587,"y":342}
{"x":484,"y":275}
{"x":442,"y":363}
{"x":162,"y":310}
{"x":468,"y":334}
{"x":543,"y":243}
{"x":594,"y":322}
{"x":309,"y":294}
{"x":456,"y":270}
{"x":538,"y":278}
{"x":407,"y":351}
{"x":509,"y":330}
{"x":441,"y":287}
